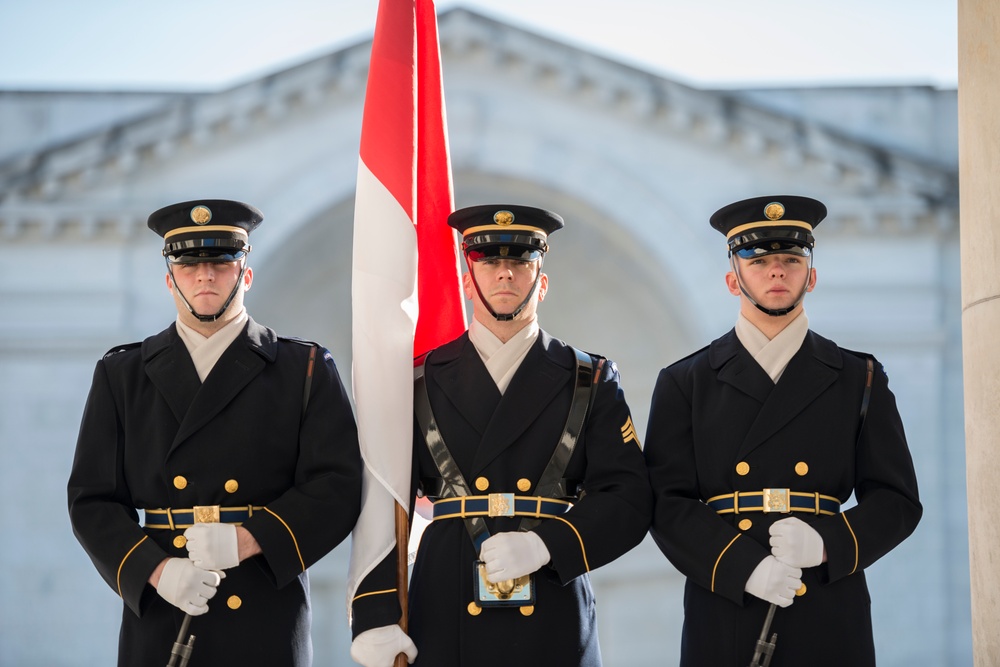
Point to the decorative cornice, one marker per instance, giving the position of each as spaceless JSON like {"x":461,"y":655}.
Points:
{"x":33,"y":185}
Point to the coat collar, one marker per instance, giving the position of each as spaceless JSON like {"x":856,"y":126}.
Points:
{"x":459,"y":374}
{"x":194,"y":404}
{"x":810,"y":372}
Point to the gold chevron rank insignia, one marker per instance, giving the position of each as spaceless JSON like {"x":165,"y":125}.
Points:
{"x":628,"y":432}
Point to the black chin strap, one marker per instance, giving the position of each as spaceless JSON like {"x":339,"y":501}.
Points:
{"x":517,"y":311}
{"x":769,"y":311}
{"x":207,"y":318}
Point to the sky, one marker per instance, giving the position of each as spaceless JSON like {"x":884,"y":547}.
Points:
{"x":212,"y":44}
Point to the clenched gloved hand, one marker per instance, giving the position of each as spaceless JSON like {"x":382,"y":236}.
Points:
{"x":379,"y":647}
{"x":775,"y":582}
{"x":213,"y":546}
{"x":794,"y":542}
{"x":512,"y":555}
{"x":187,"y":587}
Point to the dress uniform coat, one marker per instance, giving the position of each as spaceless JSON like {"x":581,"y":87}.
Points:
{"x":498,"y":441}
{"x":718,"y":424}
{"x":154,"y":437}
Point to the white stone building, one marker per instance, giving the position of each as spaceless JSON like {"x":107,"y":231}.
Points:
{"x":635,"y":163}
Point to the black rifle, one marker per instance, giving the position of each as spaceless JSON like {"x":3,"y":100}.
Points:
{"x":182,"y":649}
{"x":765,"y":648}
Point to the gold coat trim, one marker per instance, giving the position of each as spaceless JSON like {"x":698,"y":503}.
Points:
{"x":721,"y":554}
{"x":855,"y":538}
{"x":118,"y":576}
{"x":294,"y":541}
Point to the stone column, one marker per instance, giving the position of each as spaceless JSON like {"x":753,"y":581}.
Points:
{"x":979,"y":169}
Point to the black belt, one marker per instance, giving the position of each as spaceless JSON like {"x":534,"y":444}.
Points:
{"x":781,"y":501}
{"x":185,"y":518}
{"x":499,"y":505}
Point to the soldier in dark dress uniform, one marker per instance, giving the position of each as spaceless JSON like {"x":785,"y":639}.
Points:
{"x":755,"y":444}
{"x":501,"y":574}
{"x":238,"y":445}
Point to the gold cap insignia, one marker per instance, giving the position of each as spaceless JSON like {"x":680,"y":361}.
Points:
{"x":201,"y":215}
{"x":774,"y":211}
{"x":775,"y":245}
{"x":504,"y":250}
{"x":503,"y":218}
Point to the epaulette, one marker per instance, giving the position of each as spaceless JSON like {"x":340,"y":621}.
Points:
{"x":120,"y":348}
{"x":300,"y":341}
{"x":693,"y":354}
{"x":865,"y":356}
{"x":860,"y":355}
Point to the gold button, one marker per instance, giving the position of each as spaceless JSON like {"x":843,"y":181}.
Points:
{"x":180,"y":541}
{"x":474,"y":609}
{"x":745,"y":524}
{"x":482,"y":483}
{"x":801,"y":591}
{"x":234,"y":602}
{"x":232,"y":485}
{"x":527,"y":610}
{"x":523,"y":484}
{"x":801,"y":468}
{"x":742,"y":468}
{"x":180,"y":482}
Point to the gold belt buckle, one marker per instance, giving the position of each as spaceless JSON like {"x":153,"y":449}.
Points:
{"x":776,"y":500}
{"x":207,"y":514}
{"x":501,"y":504}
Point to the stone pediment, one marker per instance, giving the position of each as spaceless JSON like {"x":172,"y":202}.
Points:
{"x":45,"y":193}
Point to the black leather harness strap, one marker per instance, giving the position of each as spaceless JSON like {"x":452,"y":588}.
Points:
{"x":551,"y":484}
{"x":866,"y":399}
{"x":453,"y":484}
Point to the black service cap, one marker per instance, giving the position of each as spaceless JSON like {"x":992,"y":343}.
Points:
{"x":504,"y":230}
{"x":772,"y":224}
{"x":205,"y":230}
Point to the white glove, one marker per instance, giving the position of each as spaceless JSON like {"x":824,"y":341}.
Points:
{"x":213,"y":546}
{"x":513,"y":555}
{"x":187,"y":587}
{"x":379,"y":647}
{"x":794,"y":542}
{"x":773,"y":581}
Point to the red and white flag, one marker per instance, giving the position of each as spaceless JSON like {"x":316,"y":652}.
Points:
{"x":406,"y":291}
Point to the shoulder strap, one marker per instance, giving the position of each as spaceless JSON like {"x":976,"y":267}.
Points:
{"x":307,"y":385}
{"x":551,"y":484}
{"x":453,"y":482}
{"x":866,"y":399}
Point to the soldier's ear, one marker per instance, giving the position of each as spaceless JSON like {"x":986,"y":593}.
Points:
{"x":732,"y":283}
{"x":467,"y":285}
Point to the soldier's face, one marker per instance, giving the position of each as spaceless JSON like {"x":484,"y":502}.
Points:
{"x":505,"y":283}
{"x":774,"y":281}
{"x":207,"y":285}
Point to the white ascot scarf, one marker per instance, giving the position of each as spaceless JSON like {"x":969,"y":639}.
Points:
{"x":205,"y":351}
{"x":773,"y":354}
{"x":502,"y":359}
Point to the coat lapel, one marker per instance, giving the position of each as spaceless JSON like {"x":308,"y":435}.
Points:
{"x":170,"y":369}
{"x":459,"y":373}
{"x":542,"y":374}
{"x":809,"y":373}
{"x":736,"y":367}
